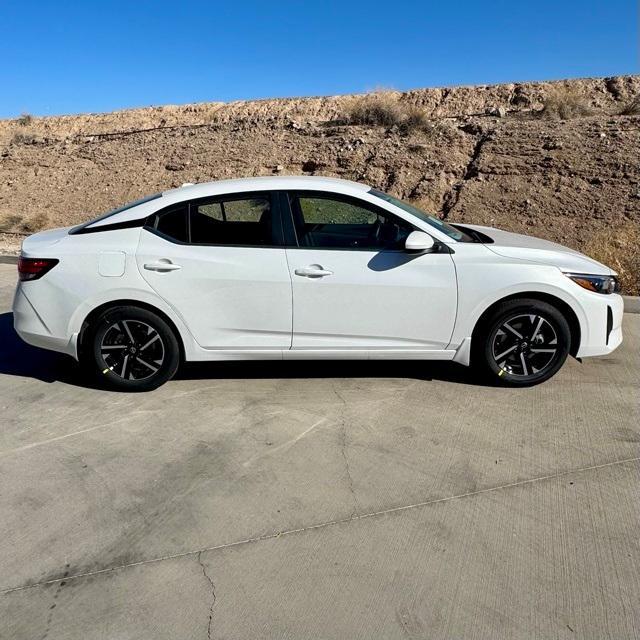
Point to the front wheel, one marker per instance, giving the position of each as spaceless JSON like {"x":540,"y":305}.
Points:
{"x":522,"y":343}
{"x":131,"y":349}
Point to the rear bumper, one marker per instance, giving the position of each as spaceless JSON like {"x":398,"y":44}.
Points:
{"x":604,"y":325}
{"x":32,"y":328}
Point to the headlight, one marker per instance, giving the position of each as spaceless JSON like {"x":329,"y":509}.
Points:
{"x":599,"y":284}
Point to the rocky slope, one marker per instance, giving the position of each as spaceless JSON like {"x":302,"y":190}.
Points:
{"x":480,"y":154}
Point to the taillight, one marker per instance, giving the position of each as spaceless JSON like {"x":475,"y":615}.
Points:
{"x":34,"y":268}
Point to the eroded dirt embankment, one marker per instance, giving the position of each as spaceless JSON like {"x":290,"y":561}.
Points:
{"x":485,"y":156}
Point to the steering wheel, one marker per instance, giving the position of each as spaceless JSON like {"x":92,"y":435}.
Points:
{"x":374,"y":233}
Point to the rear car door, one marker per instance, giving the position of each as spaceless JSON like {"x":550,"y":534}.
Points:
{"x":354,"y":285}
{"x":220,"y":263}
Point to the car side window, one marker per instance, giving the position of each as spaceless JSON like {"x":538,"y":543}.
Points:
{"x":334,"y":222}
{"x":173,"y":222}
{"x":239,"y":221}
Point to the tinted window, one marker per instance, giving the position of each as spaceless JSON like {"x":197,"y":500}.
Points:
{"x":173,"y":223}
{"x":245,"y":221}
{"x":340,"y":222}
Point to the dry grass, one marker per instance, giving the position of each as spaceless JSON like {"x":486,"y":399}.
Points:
{"x":415,"y":118}
{"x":564,"y":103}
{"x":37,"y":222}
{"x":22,"y":138}
{"x":619,"y":248}
{"x":631,"y":109}
{"x":377,"y":108}
{"x":12,"y":223}
{"x":382,"y":108}
{"x":9,"y":222}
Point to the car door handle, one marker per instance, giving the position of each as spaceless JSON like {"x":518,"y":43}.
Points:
{"x":313,"y":271}
{"x":161,"y":265}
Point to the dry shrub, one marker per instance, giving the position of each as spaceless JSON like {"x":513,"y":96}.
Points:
{"x":13,"y":223}
{"x":382,"y":108}
{"x":563,"y":103}
{"x":631,"y":108}
{"x":619,"y":248}
{"x":23,"y":138}
{"x":415,"y":118}
{"x":378,"y":108}
{"x":35,"y":223}
{"x":25,"y":119}
{"x":9,"y":222}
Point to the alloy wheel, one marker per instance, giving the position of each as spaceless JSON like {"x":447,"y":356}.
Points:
{"x":132,"y":349}
{"x":525,"y":345}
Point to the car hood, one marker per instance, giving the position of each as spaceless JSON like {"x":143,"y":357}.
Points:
{"x":518,"y":246}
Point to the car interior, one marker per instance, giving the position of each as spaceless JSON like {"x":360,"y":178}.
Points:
{"x":232,"y":222}
{"x":330,"y":223}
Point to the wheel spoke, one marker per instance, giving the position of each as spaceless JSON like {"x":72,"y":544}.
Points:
{"x":524,"y":364}
{"x":542,"y":350}
{"x":504,"y":353}
{"x":156,"y":337}
{"x":537,"y":329}
{"x":506,"y":325}
{"x":126,"y":328}
{"x":146,"y":364}
{"x":109,"y":347}
{"x":124,"y":366}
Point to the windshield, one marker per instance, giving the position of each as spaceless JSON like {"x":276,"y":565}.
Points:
{"x":441,"y":225}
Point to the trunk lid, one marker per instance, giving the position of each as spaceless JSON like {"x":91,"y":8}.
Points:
{"x":43,"y":241}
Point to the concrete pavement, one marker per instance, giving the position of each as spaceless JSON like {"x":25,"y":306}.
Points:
{"x":318,"y":500}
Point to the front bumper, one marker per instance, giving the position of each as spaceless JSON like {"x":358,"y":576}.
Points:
{"x":603,"y":331}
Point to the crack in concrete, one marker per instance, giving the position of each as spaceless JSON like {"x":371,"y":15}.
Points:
{"x":343,"y":451}
{"x":61,"y":584}
{"x":324,"y":525}
{"x":213,"y":592}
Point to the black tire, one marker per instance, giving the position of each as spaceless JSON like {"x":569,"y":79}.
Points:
{"x":131,"y":349}
{"x":521,"y":343}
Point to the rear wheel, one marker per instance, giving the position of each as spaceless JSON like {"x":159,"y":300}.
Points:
{"x":522,"y":343}
{"x":131,"y":349}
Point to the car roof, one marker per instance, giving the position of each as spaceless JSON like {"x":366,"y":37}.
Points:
{"x":262,"y":183}
{"x":147,"y":206}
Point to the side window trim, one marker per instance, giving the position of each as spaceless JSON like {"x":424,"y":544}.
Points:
{"x":290,"y":217}
{"x":277,"y":228}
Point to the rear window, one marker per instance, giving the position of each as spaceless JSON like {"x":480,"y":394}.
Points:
{"x":113,"y":212}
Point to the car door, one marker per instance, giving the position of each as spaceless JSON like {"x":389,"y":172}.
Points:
{"x":354,"y":285}
{"x":220,"y":263}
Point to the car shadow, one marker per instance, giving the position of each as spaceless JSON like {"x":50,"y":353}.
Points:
{"x":17,"y":358}
{"x":292,"y":369}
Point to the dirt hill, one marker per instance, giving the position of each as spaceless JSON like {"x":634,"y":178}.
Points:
{"x":558,"y":160}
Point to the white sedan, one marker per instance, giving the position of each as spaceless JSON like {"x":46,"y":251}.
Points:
{"x":306,"y":268}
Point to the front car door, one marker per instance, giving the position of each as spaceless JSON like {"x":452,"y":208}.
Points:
{"x":354,"y":285}
{"x":220,"y":263}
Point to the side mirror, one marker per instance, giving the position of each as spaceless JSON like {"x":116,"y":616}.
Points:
{"x":419,"y":241}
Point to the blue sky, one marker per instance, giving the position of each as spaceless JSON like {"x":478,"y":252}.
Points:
{"x":71,"y":56}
